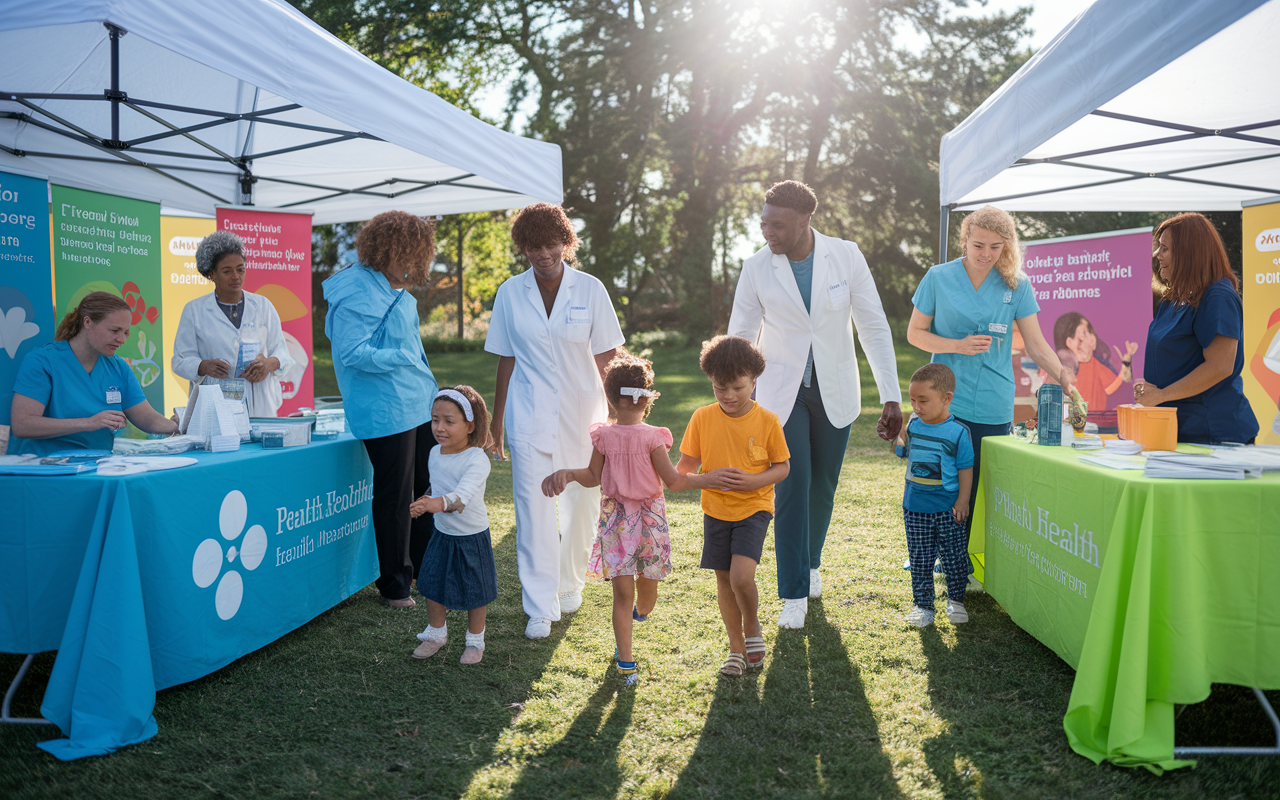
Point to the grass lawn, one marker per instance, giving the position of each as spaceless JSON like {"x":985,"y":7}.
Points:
{"x":857,"y":705}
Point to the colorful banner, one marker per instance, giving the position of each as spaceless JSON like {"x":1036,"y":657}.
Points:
{"x":278,"y":252}
{"x":1261,"y":292}
{"x":179,"y":237}
{"x":26,"y":283}
{"x":1095,"y":307}
{"x":109,"y":243}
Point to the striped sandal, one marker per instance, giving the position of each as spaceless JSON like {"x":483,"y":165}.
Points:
{"x":734,"y":665}
{"x":755,"y":651}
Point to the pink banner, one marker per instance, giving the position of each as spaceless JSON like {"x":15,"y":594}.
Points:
{"x":1095,"y":306}
{"x":278,"y":252}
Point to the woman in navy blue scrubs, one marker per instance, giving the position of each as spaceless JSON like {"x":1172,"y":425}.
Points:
{"x":1193,"y":355}
{"x":75,"y":393}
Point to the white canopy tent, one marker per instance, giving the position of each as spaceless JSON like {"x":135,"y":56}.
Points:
{"x":197,"y":104}
{"x":1137,"y":105}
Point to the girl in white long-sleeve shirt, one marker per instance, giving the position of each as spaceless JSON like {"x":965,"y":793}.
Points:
{"x":458,"y":571}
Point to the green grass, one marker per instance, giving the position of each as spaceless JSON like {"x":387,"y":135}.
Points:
{"x":858,"y":704}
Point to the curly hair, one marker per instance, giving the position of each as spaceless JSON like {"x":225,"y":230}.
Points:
{"x":1199,"y":259}
{"x":479,"y":436}
{"x":628,"y":371}
{"x":96,"y":306}
{"x":541,"y":225}
{"x":399,"y":245}
{"x":793,"y":195}
{"x":938,"y":376}
{"x":724,"y":359}
{"x":215,"y":247}
{"x":998,"y":221}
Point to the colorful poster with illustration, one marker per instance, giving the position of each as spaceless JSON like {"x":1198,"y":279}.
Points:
{"x":1095,"y":302}
{"x":278,"y":253}
{"x":1261,"y":290}
{"x":109,"y":243}
{"x":26,"y":285}
{"x":179,"y":237}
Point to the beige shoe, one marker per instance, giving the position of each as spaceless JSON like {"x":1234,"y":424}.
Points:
{"x":429,"y":648}
{"x":404,"y":602}
{"x":471,"y":655}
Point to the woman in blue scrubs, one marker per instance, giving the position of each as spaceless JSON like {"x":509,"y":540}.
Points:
{"x":76,"y":393}
{"x":965,"y":312}
{"x":1193,"y":355}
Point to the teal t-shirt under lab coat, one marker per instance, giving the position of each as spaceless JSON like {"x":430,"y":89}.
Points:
{"x":984,"y":382}
{"x":54,"y":376}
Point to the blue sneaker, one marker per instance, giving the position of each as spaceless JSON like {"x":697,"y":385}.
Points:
{"x":637,"y":616}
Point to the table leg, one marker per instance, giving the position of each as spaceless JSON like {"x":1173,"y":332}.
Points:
{"x":13,"y":689}
{"x":1180,"y":752}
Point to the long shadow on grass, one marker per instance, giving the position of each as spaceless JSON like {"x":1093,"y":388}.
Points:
{"x":587,"y":755}
{"x":809,"y":732}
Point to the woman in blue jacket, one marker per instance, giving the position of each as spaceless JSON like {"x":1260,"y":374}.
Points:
{"x":386,"y":383}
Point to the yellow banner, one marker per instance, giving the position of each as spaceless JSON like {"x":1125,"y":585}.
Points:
{"x":1262,"y":317}
{"x":181,"y":284}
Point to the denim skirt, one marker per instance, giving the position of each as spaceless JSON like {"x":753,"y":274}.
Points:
{"x":458,"y":571}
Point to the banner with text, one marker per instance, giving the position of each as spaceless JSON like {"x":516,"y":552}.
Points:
{"x":179,"y":237}
{"x":1261,"y":292}
{"x":26,"y":282}
{"x":278,"y":253}
{"x":102,"y":242}
{"x":1095,"y":302}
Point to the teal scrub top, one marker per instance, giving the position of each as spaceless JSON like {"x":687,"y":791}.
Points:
{"x":984,"y":382}
{"x":54,"y":376}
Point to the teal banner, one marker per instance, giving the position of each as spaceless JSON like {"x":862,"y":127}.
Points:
{"x":26,"y":282}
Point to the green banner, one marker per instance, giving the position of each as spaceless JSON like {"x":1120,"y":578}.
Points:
{"x":109,"y":243}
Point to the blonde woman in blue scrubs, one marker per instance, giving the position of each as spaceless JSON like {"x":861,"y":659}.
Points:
{"x":965,"y":313}
{"x":75,"y":393}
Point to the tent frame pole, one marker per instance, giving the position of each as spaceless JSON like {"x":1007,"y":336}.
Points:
{"x":944,"y":224}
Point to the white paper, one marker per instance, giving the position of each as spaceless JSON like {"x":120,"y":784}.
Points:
{"x":248,"y":352}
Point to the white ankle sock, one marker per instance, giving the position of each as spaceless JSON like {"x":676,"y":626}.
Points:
{"x":475,"y":640}
{"x":435,"y":634}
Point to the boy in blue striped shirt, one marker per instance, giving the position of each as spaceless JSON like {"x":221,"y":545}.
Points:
{"x":936,"y":500}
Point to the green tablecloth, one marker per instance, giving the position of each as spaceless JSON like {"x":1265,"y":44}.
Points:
{"x":1151,"y":589}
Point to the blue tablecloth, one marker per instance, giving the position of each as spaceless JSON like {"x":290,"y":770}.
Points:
{"x":142,"y":582}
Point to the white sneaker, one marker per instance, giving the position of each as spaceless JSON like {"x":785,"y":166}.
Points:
{"x":956,"y":613}
{"x":793,"y":613}
{"x":906,"y":565}
{"x":920,"y":617}
{"x":974,"y":586}
{"x":815,"y":583}
{"x":570,"y":602}
{"x":538,"y":628}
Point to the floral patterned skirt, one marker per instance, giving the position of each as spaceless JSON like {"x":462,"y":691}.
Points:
{"x":631,"y":539}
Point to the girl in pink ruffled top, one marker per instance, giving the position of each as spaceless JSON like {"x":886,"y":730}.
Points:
{"x":632,"y":549}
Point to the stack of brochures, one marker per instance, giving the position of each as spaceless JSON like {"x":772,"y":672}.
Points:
{"x":1218,"y":465}
{"x":1087,"y":442}
{"x":1123,"y":447}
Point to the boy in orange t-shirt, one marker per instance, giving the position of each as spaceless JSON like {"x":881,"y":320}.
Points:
{"x":738,"y":447}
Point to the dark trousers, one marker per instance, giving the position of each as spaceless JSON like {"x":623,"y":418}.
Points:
{"x":977,"y":432}
{"x":804,"y":500}
{"x":399,"y":476}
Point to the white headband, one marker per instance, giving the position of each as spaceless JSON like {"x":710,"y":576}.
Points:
{"x":459,"y":398}
{"x":636,"y":393}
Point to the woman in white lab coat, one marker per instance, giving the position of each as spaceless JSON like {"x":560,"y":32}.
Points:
{"x":554,"y":329}
{"x":218,"y":328}
{"x":799,"y":299}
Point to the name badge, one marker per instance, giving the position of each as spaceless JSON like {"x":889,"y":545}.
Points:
{"x":578,"y":315}
{"x":997,"y":327}
{"x":113,"y":396}
{"x":838,"y":290}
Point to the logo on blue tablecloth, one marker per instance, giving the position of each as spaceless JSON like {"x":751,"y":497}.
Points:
{"x":207,"y":564}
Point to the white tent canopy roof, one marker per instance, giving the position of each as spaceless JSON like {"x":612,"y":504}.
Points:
{"x":1137,"y":105}
{"x":221,"y":97}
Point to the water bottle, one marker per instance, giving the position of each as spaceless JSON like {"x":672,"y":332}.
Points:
{"x":1049,"y":415}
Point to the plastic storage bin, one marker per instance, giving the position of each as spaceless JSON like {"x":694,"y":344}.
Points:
{"x":1154,"y":427}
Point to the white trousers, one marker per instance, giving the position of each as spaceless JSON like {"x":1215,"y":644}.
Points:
{"x":551,"y":548}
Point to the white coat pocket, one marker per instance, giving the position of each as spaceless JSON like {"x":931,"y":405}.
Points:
{"x":577,"y":323}
{"x":838,"y":295}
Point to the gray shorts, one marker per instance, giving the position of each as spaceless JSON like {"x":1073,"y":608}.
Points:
{"x":722,"y":540}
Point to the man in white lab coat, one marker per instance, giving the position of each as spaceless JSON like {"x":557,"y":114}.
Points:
{"x":554,"y":329}
{"x":799,"y":299}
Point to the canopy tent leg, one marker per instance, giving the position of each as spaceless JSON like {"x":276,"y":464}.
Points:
{"x":13,"y":689}
{"x":1180,"y":752}
{"x":945,"y":229}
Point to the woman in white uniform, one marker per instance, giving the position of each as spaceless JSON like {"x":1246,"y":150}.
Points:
{"x":554,"y":329}
{"x":217,"y":327}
